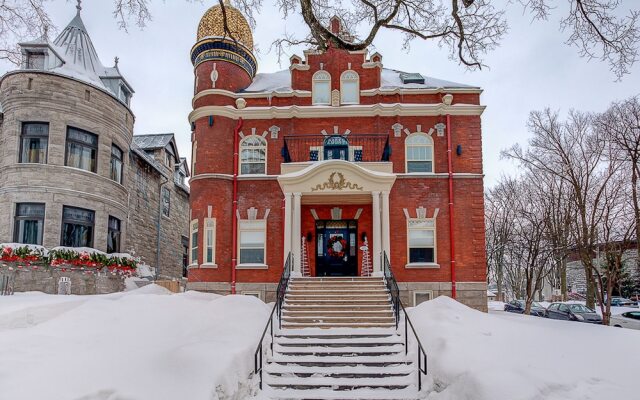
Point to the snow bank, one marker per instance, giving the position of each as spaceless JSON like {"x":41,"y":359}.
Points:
{"x":496,"y":305}
{"x":473,"y":355}
{"x":138,"y":345}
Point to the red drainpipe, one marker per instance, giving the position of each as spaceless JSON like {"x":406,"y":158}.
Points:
{"x":234,"y":255}
{"x":451,"y":233}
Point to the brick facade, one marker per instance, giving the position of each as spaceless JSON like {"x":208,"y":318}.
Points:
{"x":416,"y":108}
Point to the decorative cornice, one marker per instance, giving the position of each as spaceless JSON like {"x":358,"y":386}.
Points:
{"x":384,"y":110}
{"x":307,"y":93}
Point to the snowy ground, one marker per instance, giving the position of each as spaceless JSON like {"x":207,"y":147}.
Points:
{"x":139,"y":345}
{"x":473,"y":355}
{"x":151,"y":345}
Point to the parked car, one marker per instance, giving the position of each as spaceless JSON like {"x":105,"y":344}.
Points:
{"x":629,"y":319}
{"x":573,"y":312}
{"x":517,"y":306}
{"x":622,"y":302}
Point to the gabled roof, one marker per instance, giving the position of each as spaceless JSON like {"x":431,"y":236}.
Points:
{"x":153,"y":141}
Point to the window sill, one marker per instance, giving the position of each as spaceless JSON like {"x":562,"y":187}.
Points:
{"x":193,"y":266}
{"x":252,"y":266}
{"x":209,"y":265}
{"x":423,"y":265}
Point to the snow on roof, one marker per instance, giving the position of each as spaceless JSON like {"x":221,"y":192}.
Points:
{"x":77,"y":58}
{"x":281,"y":82}
{"x":153,"y":141}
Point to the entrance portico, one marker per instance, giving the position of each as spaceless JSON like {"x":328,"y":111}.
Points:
{"x":336,"y":182}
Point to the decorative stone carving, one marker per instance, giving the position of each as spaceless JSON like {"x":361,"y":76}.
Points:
{"x":335,"y":98}
{"x":336,"y":213}
{"x":440,"y":127}
{"x":274,"y":132}
{"x":447,"y":99}
{"x":241,"y":103}
{"x":336,"y":181}
{"x":397,"y":129}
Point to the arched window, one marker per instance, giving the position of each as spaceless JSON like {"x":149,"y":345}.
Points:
{"x":419,"y":153}
{"x":336,"y":147}
{"x":350,"y":87}
{"x":321,"y":90}
{"x":253,"y":155}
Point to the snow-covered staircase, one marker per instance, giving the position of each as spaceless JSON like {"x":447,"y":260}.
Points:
{"x":338,"y":341}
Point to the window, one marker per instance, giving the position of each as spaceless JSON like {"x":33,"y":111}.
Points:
{"x":34,"y":142}
{"x":252,"y":241}
{"x":116,"y":164}
{"x":166,"y":202}
{"x":336,"y":147}
{"x":29,"y":223}
{"x":350,"y":87}
{"x":77,"y":227}
{"x":113,"y":235}
{"x":253,"y":155}
{"x":193,"y":256}
{"x":321,"y":88}
{"x":421,"y":241}
{"x":184,"y":240}
{"x":35,"y":60}
{"x":82,"y":149}
{"x":419,"y":148}
{"x":209,"y":254}
{"x":422,"y":296}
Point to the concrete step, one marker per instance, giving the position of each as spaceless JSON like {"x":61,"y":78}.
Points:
{"x":322,"y":382}
{"x":329,"y":394}
{"x":338,"y":307}
{"x":336,"y":296}
{"x":338,"y":313}
{"x":357,"y":371}
{"x":336,"y":302}
{"x":346,"y":351}
{"x":364,"y":325}
{"x":338,"y":279}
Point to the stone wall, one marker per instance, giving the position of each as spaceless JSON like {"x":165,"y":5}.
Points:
{"x":46,"y":280}
{"x":142,"y":236}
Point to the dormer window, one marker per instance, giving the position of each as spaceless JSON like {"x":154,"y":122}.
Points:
{"x":321,"y":90}
{"x":35,"y":60}
{"x":125,"y":95}
{"x":350,"y":87}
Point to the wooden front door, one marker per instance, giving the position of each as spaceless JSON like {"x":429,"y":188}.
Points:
{"x":336,"y":248}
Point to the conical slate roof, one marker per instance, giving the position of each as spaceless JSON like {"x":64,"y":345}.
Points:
{"x":77,"y":58}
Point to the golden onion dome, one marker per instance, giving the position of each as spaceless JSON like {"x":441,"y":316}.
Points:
{"x":212,"y":24}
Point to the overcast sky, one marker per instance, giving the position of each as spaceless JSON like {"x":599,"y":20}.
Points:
{"x":531,"y":70}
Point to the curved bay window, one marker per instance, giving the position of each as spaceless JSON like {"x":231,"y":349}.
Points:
{"x":34,"y":142}
{"x":253,"y":155}
{"x":82,"y":150}
{"x":116,"y":164}
{"x":29,"y":223}
{"x":77,"y":227}
{"x":349,"y":88}
{"x":336,"y":147}
{"x":321,"y":88}
{"x":419,"y":153}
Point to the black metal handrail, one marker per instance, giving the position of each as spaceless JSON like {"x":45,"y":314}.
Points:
{"x":258,"y":357}
{"x":394,"y":291}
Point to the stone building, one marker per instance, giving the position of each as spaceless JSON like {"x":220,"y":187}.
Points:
{"x":71,"y":171}
{"x":316,"y":159}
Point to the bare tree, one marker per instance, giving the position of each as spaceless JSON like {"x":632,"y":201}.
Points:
{"x":575,"y":153}
{"x":621,"y":125}
{"x":469,"y":29}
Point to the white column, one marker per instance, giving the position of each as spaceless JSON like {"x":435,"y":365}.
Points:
{"x":287,"y":225}
{"x":296,"y":230}
{"x":386,"y":235}
{"x":377,"y":236}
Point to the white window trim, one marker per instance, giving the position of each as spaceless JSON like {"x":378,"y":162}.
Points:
{"x":319,"y":76}
{"x":255,"y":293}
{"x":417,"y":292}
{"x":264,"y":249}
{"x":264,"y":146}
{"x":434,"y":264}
{"x":209,"y":230}
{"x":406,"y":152}
{"x":194,"y":223}
{"x":342,"y":80}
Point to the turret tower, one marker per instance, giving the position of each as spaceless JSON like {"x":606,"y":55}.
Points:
{"x":223,"y":60}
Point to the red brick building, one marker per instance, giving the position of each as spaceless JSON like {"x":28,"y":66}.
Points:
{"x":320,"y":157}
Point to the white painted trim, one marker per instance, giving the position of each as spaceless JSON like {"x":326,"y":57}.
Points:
{"x":196,"y":223}
{"x":416,"y":292}
{"x":252,"y":266}
{"x":209,"y":266}
{"x":422,"y":265}
{"x":207,"y":230}
{"x":265,"y":146}
{"x":325,"y":111}
{"x":211,"y":176}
